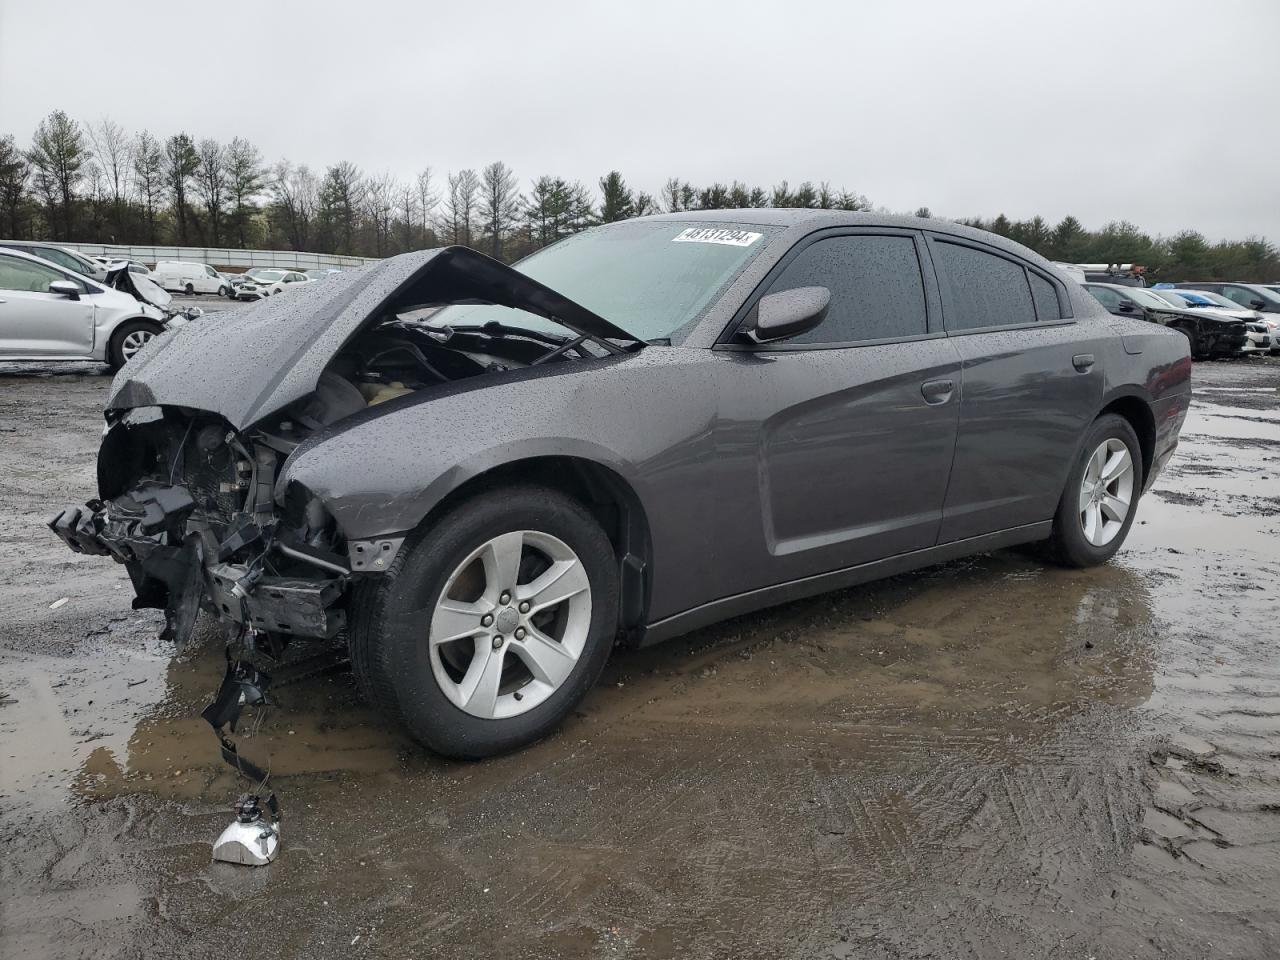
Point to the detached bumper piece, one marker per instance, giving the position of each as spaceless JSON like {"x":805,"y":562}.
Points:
{"x":176,"y":561}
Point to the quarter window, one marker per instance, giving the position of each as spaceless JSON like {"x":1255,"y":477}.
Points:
{"x":1046,"y":297}
{"x":983,"y":290}
{"x":877,"y":292}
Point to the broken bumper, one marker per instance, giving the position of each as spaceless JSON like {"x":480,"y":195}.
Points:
{"x":177,"y":564}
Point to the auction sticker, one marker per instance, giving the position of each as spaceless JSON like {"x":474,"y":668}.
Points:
{"x":732,"y":238}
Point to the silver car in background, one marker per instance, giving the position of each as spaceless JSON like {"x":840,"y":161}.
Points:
{"x":49,"y":313}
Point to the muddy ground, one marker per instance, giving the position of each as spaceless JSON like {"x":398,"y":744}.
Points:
{"x":990,"y":758}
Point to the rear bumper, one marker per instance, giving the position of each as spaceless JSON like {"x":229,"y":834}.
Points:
{"x":1169,"y":413}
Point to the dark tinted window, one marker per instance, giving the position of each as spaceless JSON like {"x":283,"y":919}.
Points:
{"x":985,"y":290}
{"x":876,"y":289}
{"x":1046,"y":297}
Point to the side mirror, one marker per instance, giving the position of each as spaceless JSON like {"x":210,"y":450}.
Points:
{"x":1126,"y":306}
{"x":1258,"y":304}
{"x":786,"y":314}
{"x":65,"y":288}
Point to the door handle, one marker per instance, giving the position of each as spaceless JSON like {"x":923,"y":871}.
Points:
{"x":1083,"y":362}
{"x":937,"y":391}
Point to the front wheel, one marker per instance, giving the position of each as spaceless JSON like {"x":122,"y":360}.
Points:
{"x":491,"y":624}
{"x":189,"y":290}
{"x":1101,"y":496}
{"x":128,"y":339}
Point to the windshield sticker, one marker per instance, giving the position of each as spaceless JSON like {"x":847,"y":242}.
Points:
{"x":732,"y":238}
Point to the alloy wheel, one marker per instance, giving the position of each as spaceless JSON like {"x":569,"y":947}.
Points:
{"x":1106,"y":492}
{"x":133,"y":342}
{"x":510,"y":624}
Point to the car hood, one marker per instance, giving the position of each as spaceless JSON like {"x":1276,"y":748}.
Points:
{"x":247,"y":364}
{"x":140,"y":287}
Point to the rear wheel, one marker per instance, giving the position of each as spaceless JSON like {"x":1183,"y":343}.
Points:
{"x":128,"y":339}
{"x":189,"y":290}
{"x":1101,"y":496}
{"x":492,"y":624}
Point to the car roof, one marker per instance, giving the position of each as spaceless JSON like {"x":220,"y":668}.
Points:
{"x":815,"y":219}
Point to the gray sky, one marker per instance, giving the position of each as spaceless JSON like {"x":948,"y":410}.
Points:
{"x":1163,"y":113}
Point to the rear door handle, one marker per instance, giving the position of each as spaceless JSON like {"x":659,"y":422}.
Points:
{"x":1083,"y":362}
{"x":937,"y":391}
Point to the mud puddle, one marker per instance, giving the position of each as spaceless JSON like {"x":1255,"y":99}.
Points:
{"x":988,"y":758}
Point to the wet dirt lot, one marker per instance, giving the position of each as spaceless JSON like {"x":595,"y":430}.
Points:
{"x":990,"y":758}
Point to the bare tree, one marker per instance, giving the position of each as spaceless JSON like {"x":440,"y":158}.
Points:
{"x":428,"y":197}
{"x":406,"y":200}
{"x":500,"y":204}
{"x":113,"y":149}
{"x":148,"y":178}
{"x":211,"y":184}
{"x":460,"y":206}
{"x":379,"y":205}
{"x":295,"y":192}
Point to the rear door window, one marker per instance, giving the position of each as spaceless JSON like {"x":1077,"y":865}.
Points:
{"x":981,"y":289}
{"x":877,"y":292}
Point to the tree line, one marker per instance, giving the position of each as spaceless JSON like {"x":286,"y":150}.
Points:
{"x":99,"y":183}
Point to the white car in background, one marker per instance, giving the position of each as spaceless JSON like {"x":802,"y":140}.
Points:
{"x":183,"y":276}
{"x":51,"y":313}
{"x":263,"y":282}
{"x":320,"y":273}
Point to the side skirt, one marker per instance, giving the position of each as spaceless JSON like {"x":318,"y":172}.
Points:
{"x":726,"y":607}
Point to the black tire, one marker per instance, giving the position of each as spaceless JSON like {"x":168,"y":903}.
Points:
{"x":1198,"y":352}
{"x":391,"y":613}
{"x":1067,"y":543}
{"x":115,"y":349}
{"x":189,"y":290}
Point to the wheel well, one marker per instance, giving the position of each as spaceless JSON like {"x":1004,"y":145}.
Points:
{"x":605,"y":494}
{"x":1140,"y":417}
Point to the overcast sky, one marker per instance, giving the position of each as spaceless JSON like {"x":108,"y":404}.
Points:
{"x":1163,"y":113}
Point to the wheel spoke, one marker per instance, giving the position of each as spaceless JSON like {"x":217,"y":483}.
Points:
{"x":479,"y":688}
{"x":547,"y":660}
{"x":1117,"y":466}
{"x":562,"y":580}
{"x":1093,"y":472}
{"x":454,"y":620}
{"x":1114,"y":508}
{"x":501,"y":559}
{"x":1091,"y":522}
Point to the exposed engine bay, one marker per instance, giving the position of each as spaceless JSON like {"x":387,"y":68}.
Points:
{"x":191,"y":506}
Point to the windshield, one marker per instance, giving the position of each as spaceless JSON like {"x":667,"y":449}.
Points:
{"x":649,"y":278}
{"x":266,"y":276}
{"x":1147,"y":298}
{"x":1214,"y":299}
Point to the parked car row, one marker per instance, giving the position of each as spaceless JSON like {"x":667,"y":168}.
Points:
{"x":1214,"y":324}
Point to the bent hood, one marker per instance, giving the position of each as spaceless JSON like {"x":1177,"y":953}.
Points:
{"x":247,"y":364}
{"x":143,"y":289}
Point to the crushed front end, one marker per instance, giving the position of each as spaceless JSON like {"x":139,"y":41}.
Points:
{"x":188,"y":505}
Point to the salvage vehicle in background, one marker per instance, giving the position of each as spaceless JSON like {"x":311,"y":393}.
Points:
{"x":264,"y":282}
{"x":63,"y":257}
{"x":48,"y":313}
{"x":1209,"y":335}
{"x":484,"y":476}
{"x":183,"y":276}
{"x":321,"y":273}
{"x":1252,"y":296}
{"x":1257,"y":323}
{"x":1119,"y":274}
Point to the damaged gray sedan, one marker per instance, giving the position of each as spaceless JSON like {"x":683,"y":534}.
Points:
{"x":484,"y":477}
